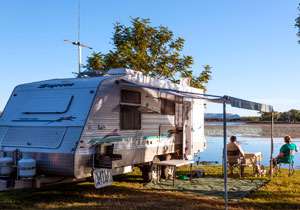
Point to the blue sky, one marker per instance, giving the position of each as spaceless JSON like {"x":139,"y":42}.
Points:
{"x":251,"y":44}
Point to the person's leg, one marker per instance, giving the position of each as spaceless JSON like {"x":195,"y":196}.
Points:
{"x":230,"y":168}
{"x":274,"y":163}
{"x":243,"y":161}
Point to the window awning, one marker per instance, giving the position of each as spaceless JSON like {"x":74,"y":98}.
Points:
{"x":234,"y":102}
{"x":138,"y":108}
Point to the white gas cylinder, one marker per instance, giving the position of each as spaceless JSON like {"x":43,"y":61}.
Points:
{"x":5,"y":164}
{"x":27,"y":166}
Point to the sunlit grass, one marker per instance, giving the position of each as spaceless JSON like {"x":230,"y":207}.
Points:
{"x":129,"y":192}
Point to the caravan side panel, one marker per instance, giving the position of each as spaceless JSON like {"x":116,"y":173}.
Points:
{"x":135,"y":146}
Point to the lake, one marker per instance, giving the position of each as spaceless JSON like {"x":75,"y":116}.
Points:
{"x":252,"y":138}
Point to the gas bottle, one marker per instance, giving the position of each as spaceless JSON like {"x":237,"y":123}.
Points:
{"x":27,"y":166}
{"x":6,"y":163}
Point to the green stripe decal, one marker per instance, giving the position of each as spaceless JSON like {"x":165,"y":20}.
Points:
{"x":128,"y":138}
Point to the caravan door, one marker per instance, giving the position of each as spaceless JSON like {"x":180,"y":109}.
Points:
{"x":187,"y":150}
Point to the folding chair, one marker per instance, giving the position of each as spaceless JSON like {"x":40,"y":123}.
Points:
{"x":237,"y":164}
{"x":291,"y":164}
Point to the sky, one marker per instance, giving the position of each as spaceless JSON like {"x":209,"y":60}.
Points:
{"x":250,"y":44}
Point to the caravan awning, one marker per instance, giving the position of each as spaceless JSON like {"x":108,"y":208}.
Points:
{"x":179,"y":93}
{"x":234,"y":102}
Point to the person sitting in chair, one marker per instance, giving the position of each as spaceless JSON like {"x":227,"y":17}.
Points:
{"x":284,"y":155}
{"x":235,"y":155}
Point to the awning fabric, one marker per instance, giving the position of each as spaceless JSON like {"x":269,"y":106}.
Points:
{"x":240,"y":103}
{"x":234,"y":102}
{"x":179,"y":93}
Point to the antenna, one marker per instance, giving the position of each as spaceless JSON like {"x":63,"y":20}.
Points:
{"x":78,"y":43}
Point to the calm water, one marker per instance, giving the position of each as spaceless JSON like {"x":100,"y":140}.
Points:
{"x":214,"y":148}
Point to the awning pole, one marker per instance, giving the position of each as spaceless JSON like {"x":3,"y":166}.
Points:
{"x":272,"y":146}
{"x":225,"y":151}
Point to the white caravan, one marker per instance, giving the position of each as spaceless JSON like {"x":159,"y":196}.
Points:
{"x":67,"y":128}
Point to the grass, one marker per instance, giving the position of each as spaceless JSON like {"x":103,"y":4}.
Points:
{"x":129,"y":192}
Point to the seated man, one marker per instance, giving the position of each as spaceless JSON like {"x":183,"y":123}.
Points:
{"x":235,"y":154}
{"x":285,"y":149}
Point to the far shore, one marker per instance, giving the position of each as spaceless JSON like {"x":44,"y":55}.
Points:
{"x":260,"y":123}
{"x":255,"y":130}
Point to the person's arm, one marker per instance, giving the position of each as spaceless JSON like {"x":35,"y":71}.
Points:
{"x":241,"y":151}
{"x":280,"y":155}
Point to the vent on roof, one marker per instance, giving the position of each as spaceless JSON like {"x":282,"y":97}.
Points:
{"x":123,"y":71}
{"x":96,"y":73}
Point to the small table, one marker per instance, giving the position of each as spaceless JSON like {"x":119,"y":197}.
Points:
{"x":253,"y":158}
{"x":175,"y":164}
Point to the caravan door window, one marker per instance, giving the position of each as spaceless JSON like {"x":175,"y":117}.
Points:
{"x":130,"y":116}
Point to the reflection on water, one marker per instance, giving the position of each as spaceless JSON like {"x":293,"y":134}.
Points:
{"x":214,"y":148}
{"x":228,"y":123}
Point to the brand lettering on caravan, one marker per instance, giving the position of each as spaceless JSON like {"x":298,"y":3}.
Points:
{"x":56,"y":85}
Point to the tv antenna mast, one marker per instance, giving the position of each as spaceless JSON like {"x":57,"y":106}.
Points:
{"x":78,"y":43}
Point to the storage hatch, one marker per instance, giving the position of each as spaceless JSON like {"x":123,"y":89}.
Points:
{"x":33,"y":137}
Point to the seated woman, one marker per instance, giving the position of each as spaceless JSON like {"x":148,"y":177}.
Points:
{"x":284,"y":154}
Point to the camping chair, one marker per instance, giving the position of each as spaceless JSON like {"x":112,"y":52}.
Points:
{"x":291,"y":164}
{"x":238,"y":163}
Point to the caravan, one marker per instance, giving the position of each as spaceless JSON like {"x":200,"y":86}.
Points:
{"x":65,"y":129}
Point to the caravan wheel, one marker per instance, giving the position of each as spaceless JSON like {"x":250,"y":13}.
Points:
{"x":168,"y":170}
{"x":151,"y":173}
{"x":155,"y":170}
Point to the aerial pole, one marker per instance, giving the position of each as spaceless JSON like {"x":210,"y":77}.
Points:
{"x":78,"y":43}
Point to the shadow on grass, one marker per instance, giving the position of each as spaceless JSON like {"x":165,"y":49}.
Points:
{"x":136,"y":178}
{"x":84,"y":195}
{"x":128,"y":192}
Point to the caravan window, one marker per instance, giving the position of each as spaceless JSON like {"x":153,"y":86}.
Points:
{"x":167,"y":107}
{"x":47,"y":104}
{"x":130,"y":117}
{"x":129,"y":96}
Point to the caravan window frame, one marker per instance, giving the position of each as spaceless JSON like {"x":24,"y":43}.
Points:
{"x":132,"y":111}
{"x":163,"y":108}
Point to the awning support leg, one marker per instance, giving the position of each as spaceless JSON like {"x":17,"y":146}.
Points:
{"x":225,"y":150}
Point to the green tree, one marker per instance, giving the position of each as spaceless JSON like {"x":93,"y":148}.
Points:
{"x":284,"y":116}
{"x":295,"y":114}
{"x":265,"y":116}
{"x":276,"y":116}
{"x":298,"y":24}
{"x":151,"y":50}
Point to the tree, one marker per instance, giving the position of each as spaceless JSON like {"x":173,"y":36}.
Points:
{"x":276,"y":116}
{"x":266,"y":116}
{"x":284,"y":116}
{"x":298,"y":24}
{"x":151,"y":50}
{"x":295,"y":114}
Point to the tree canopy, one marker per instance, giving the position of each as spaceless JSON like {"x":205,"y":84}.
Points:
{"x":151,"y":50}
{"x":292,"y":115}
